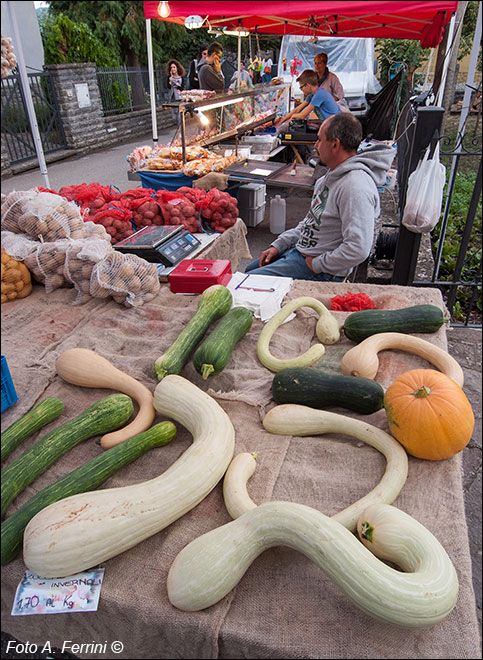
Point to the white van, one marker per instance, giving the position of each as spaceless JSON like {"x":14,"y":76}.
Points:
{"x":351,"y":59}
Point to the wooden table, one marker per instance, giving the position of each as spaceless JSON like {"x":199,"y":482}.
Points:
{"x":284,"y":606}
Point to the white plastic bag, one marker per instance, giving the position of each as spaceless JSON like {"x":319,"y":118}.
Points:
{"x":425,"y":194}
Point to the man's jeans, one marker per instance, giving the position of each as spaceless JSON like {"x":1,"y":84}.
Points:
{"x":290,"y":264}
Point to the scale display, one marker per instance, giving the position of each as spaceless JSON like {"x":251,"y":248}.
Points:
{"x":160,"y":244}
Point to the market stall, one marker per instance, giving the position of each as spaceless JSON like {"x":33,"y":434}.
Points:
{"x":284,"y":606}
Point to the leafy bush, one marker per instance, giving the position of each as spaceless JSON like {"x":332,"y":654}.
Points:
{"x":460,"y":202}
{"x":65,"y":42}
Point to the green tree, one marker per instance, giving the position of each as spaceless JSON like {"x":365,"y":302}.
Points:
{"x":65,"y":41}
{"x":121,"y":26}
{"x":391,"y":52}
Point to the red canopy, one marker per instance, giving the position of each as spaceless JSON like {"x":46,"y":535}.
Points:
{"x":424,"y":21}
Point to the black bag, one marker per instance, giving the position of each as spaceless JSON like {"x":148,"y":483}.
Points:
{"x":298,"y":126}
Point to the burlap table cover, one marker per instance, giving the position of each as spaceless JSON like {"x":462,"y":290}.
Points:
{"x":284,"y":607}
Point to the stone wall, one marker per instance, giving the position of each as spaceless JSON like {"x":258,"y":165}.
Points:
{"x":85,"y":126}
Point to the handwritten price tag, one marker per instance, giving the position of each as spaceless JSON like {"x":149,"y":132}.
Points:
{"x":75,"y":593}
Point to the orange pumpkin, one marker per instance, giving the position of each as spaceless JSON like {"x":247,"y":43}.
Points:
{"x":429,"y":414}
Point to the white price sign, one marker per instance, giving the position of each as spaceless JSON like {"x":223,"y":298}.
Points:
{"x":74,"y":593}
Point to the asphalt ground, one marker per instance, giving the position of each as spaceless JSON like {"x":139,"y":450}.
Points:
{"x":109,"y":167}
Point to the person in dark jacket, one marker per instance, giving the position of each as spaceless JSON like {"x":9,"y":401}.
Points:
{"x":193,"y":80}
{"x":209,"y":69}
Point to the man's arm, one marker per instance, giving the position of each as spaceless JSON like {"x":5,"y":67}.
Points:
{"x":291,"y":114}
{"x":357,"y":210}
{"x":301,"y":114}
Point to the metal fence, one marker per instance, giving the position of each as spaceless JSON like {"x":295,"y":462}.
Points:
{"x":15,"y":121}
{"x":126,"y":89}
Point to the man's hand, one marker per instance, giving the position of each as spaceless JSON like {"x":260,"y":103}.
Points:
{"x":308,"y":261}
{"x":216,"y":62}
{"x":267,"y":256}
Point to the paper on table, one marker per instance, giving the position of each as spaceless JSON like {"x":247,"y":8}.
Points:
{"x":261,"y":294}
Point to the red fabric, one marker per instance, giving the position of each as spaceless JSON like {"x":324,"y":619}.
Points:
{"x":361,"y":18}
{"x":351,"y":302}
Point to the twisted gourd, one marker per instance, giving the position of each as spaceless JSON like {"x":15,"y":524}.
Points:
{"x":209,"y":567}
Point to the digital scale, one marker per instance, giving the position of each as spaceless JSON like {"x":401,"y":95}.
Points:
{"x":166,"y":244}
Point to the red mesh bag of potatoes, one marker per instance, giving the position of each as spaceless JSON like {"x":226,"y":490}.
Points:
{"x":218,"y":209}
{"x":178,"y":210}
{"x":89,"y":196}
{"x":116,"y":218}
{"x":146,"y":211}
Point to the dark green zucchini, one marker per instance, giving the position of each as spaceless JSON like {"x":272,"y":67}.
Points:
{"x":419,"y":318}
{"x":316,"y":389}
{"x":87,"y":477}
{"x":213,"y":354}
{"x":214,"y":302}
{"x":44,"y":413}
{"x":106,"y":415}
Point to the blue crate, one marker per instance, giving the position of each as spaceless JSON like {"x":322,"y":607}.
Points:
{"x":9,"y":395}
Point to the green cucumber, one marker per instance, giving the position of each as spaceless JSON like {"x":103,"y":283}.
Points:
{"x":316,"y":389}
{"x":44,"y":413}
{"x":87,"y":477}
{"x":105,"y":415}
{"x":214,"y":302}
{"x":419,"y":318}
{"x":213,"y":353}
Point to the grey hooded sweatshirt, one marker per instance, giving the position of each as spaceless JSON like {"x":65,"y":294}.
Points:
{"x":338,"y":230}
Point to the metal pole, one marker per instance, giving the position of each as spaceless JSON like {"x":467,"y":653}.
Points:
{"x":152,"y":89}
{"x":469,"y":89}
{"x":28,"y":95}
{"x":239,"y":65}
{"x":449,"y":45}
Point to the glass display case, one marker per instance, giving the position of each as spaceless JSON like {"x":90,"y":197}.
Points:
{"x":207,"y":121}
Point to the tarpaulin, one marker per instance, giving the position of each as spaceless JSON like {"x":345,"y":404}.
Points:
{"x":424,"y":21}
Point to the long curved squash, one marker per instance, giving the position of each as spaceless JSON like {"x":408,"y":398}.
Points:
{"x":83,"y":530}
{"x":209,"y":567}
{"x":293,"y":419}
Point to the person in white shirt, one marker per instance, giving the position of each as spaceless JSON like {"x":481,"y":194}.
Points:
{"x":245,"y":78}
{"x":267,"y":69}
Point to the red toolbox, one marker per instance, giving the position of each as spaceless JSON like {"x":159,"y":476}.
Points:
{"x":196,"y":275}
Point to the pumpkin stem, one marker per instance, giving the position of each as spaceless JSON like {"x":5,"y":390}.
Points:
{"x":422,"y":392}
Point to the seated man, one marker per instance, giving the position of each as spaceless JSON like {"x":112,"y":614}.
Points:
{"x":337,"y":233}
{"x":317,"y":100}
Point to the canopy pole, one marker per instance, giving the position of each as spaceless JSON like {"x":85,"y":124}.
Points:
{"x":28,"y":95}
{"x":152,"y":89}
{"x":449,"y":45}
{"x":239,"y":62}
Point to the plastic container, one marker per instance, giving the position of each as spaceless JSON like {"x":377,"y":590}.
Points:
{"x":251,"y":195}
{"x":277,"y":215}
{"x":252,"y":216}
{"x":9,"y":395}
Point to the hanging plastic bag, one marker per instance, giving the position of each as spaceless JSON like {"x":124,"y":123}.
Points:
{"x":425,"y":194}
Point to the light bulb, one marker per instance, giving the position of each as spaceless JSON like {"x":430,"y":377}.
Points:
{"x":202,"y":117}
{"x":163,"y":9}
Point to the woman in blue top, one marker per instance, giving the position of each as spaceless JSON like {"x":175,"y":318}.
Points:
{"x":317,"y":100}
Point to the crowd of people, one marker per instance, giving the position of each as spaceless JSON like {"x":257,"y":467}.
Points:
{"x":336,"y":234}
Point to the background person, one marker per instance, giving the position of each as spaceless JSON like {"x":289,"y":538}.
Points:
{"x":245,"y":78}
{"x":209,"y":69}
{"x":317,"y":100}
{"x":193,"y":81}
{"x":337,"y":233}
{"x":267,"y":69}
{"x":176,"y":74}
{"x":326,"y":78}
